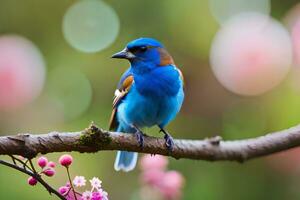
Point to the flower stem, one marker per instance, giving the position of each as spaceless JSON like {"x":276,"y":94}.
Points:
{"x":71,"y":184}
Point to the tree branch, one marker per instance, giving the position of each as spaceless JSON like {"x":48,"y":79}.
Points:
{"x":94,"y":139}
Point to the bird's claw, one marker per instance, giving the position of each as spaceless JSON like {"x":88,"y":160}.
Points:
{"x":140,"y":138}
{"x":169,"y":141}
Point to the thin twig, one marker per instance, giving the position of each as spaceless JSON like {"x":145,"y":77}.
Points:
{"x":36,"y":176}
{"x":13,"y":159}
{"x":24,"y":164}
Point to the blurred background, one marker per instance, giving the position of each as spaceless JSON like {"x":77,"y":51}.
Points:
{"x":241,"y":61}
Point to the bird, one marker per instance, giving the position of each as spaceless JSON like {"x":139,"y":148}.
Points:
{"x":150,"y":93}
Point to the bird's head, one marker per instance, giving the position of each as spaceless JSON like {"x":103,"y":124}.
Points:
{"x":145,"y":52}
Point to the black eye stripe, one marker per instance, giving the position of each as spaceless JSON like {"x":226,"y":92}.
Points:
{"x":138,"y":49}
{"x":143,"y":48}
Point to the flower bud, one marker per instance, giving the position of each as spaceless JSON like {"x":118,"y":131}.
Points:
{"x":66,"y":160}
{"x":49,"y":172}
{"x":51,"y":164}
{"x":42,"y":161}
{"x":32,"y":181}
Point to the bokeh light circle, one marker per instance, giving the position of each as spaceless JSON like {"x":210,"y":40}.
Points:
{"x":251,"y":54}
{"x":90,"y":25}
{"x":22,"y":72}
{"x":223,"y":10}
{"x":71,"y":89}
{"x":292,"y":20}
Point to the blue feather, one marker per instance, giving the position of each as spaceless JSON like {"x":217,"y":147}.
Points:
{"x":154,"y":98}
{"x":125,"y":161}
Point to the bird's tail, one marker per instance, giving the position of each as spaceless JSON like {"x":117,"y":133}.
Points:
{"x":125,"y":160}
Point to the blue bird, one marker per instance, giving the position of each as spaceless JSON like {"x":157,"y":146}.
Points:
{"x":149,"y":93}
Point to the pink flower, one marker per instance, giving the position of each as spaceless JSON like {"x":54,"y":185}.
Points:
{"x":79,"y":181}
{"x":66,"y":160}
{"x":96,"y":196}
{"x":42,"y":161}
{"x":159,"y":182}
{"x":51,"y":164}
{"x":63,"y":190}
{"x":67,"y":193}
{"x":171,"y":185}
{"x":99,"y":195}
{"x":49,"y":172}
{"x":32,"y":181}
{"x":153,"y":162}
{"x":71,"y":196}
{"x":152,"y":177}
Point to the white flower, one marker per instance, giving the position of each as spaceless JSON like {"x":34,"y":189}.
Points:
{"x":87,"y":195}
{"x":104,"y":195}
{"x":95,"y":183}
{"x":79,"y":181}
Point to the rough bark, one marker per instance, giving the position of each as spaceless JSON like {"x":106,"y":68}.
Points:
{"x":94,"y":139}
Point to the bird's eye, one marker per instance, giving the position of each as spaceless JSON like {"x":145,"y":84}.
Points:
{"x":143,"y":48}
{"x":139,"y":49}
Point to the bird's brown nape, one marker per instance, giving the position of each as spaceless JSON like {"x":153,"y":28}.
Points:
{"x":165,"y":57}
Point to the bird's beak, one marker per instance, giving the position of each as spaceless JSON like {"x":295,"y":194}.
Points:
{"x":124,"y":54}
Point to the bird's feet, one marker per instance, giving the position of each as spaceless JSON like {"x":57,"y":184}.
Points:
{"x":169,"y":140}
{"x":139,"y":136}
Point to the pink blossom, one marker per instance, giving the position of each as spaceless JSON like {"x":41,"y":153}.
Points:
{"x":96,"y":196}
{"x":32,"y":181}
{"x":67,"y":193}
{"x":71,"y":196}
{"x":49,"y":172}
{"x":153,"y":162}
{"x":51,"y":164}
{"x":99,"y":195}
{"x":158,"y":181}
{"x":66,"y":160}
{"x":63,"y":190}
{"x":152,"y":177}
{"x":171,"y":185}
{"x":42,"y":161}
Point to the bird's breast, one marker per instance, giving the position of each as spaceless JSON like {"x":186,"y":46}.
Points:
{"x":147,"y":110}
{"x":159,"y":83}
{"x":152,"y":99}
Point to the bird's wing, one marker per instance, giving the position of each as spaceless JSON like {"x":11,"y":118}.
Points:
{"x":181,"y":75}
{"x":123,"y":88}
